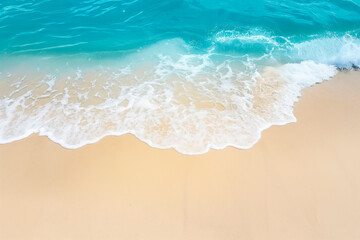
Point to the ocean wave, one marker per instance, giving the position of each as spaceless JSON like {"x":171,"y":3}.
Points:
{"x":343,"y":52}
{"x":167,"y":95}
{"x":340,"y":50}
{"x":186,"y":74}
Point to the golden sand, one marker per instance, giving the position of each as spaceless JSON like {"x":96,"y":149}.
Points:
{"x":300,"y":181}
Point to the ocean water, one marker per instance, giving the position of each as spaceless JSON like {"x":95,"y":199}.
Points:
{"x":186,"y":74}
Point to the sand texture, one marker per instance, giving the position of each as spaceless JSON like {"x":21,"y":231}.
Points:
{"x":300,"y":181}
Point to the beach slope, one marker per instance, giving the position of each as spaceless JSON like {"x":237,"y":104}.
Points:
{"x":300,"y":181}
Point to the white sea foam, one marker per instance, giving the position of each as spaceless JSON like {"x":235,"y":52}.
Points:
{"x":339,"y":51}
{"x":191,"y":102}
{"x":249,"y":37}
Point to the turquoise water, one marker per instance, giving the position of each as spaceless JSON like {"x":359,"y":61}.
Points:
{"x":188,"y":74}
{"x":115,"y":27}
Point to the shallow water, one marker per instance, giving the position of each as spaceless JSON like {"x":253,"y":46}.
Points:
{"x":191,"y":75}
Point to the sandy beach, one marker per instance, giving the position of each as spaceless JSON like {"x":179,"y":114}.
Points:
{"x":300,"y":181}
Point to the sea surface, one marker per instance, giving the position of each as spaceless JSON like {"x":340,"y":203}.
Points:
{"x":185,"y":74}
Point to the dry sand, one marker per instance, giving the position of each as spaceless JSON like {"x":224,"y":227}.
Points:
{"x":300,"y":181}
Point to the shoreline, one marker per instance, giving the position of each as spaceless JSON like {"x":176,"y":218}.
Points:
{"x":209,"y":148}
{"x":190,"y":116}
{"x":299,"y":181}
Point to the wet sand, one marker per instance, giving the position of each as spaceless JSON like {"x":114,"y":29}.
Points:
{"x":300,"y":181}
